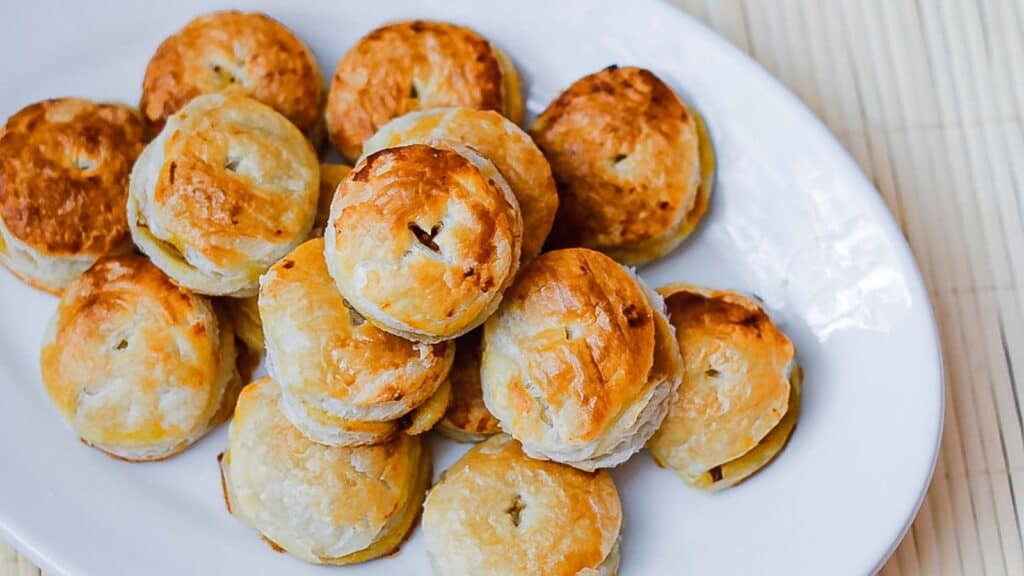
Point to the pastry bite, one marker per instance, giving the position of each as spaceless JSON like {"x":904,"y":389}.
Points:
{"x":343,"y":380}
{"x":740,"y":396}
{"x":330,"y":176}
{"x":138,"y":366}
{"x":496,"y":511}
{"x":423,"y":240}
{"x":579,"y":363}
{"x":238,"y":53}
{"x":467,"y":418}
{"x":407,"y":66}
{"x":499,"y":140}
{"x":634,"y":164}
{"x":228,"y":187}
{"x":323,"y":504}
{"x":64,"y":167}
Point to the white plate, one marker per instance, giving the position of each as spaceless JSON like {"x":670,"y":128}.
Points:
{"x":792,"y":220}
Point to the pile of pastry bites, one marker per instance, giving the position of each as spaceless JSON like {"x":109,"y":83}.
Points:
{"x":463,"y":275}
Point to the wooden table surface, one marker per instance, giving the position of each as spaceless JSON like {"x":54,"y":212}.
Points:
{"x":928,"y":97}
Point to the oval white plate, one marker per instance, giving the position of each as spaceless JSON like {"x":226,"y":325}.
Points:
{"x":792,"y":220}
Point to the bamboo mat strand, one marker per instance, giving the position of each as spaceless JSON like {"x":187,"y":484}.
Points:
{"x":928,"y":97}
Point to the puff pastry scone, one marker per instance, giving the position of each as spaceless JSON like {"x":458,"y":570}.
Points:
{"x":64,"y":167}
{"x":467,"y":418}
{"x":245,"y":319}
{"x":227,"y":188}
{"x":423,"y":240}
{"x":330,"y":176}
{"x":634,"y":164}
{"x":232,"y":52}
{"x":580,"y":363}
{"x":323,"y":504}
{"x":139,"y":367}
{"x":496,"y":511}
{"x":416,"y":65}
{"x":344,"y":381}
{"x":740,"y":396}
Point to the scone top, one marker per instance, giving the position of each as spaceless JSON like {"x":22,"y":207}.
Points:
{"x":423,"y":240}
{"x":626,"y":153}
{"x":324,"y":504}
{"x":496,"y":511}
{"x":234,"y":52}
{"x":416,"y":65}
{"x":64,"y":166}
{"x":136,"y":364}
{"x":499,"y":140}
{"x":228,"y":187}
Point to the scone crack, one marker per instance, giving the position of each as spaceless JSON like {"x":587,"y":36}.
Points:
{"x":515,"y":510}
{"x":426,"y":238}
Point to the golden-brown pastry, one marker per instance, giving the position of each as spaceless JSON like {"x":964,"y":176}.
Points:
{"x":323,"y":504}
{"x":325,"y":427}
{"x":496,"y":511}
{"x":344,"y":381}
{"x":227,"y":188}
{"x":740,"y":395}
{"x":330,"y":176}
{"x":244,"y":53}
{"x":64,"y":168}
{"x":467,"y":418}
{"x":423,"y":240}
{"x":499,"y":140}
{"x":633,"y":164}
{"x":245,"y":319}
{"x":138,"y":366}
{"x":579,"y":363}
{"x":428,"y":414}
{"x":416,"y":65}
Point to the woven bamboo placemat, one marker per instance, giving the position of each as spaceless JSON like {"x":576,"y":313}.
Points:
{"x":928,"y":97}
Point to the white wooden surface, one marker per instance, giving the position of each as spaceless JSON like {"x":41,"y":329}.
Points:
{"x":928,"y":97}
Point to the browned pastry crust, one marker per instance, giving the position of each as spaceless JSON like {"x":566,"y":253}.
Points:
{"x":499,"y":140}
{"x":567,"y":306}
{"x":423,"y":240}
{"x":64,"y":167}
{"x":137,"y":365}
{"x":496,"y":511}
{"x":239,"y":52}
{"x":323,"y":504}
{"x":346,"y":372}
{"x":467,"y":419}
{"x":225,"y":190}
{"x":245,"y":318}
{"x":330,"y":176}
{"x":625,"y":152}
{"x":414,"y":65}
{"x":579,"y":362}
{"x":737,"y":387}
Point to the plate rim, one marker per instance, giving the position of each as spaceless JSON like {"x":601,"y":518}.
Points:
{"x":906,"y":253}
{"x":903,"y":254}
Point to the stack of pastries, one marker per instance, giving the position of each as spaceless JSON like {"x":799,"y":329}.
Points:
{"x":456,"y":272}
